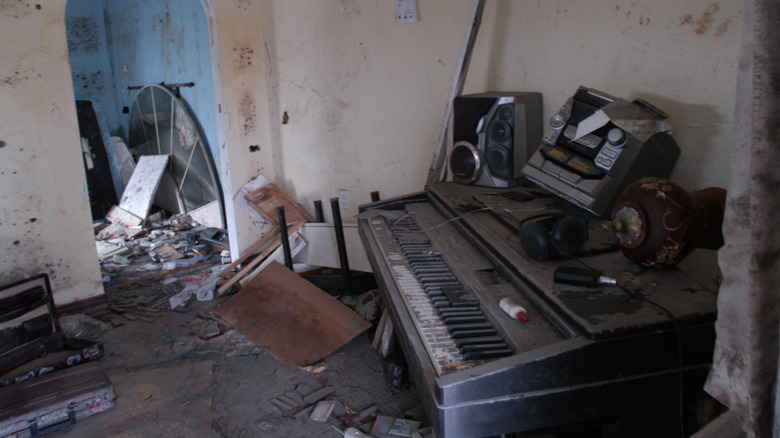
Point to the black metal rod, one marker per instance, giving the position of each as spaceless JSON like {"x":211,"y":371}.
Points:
{"x":285,"y":240}
{"x":342,"y":247}
{"x":374,"y":196}
{"x":318,"y":214}
{"x":163,"y":84}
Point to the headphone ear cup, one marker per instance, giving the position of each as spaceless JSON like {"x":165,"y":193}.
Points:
{"x":535,"y":240}
{"x":569,"y":234}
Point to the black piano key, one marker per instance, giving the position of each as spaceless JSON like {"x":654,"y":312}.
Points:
{"x":452,"y":310}
{"x":436,"y":285}
{"x":476,"y":355}
{"x":483,"y":347}
{"x":438,"y":278}
{"x":460,"y":319}
{"x":435,"y":293}
{"x":450,"y":313}
{"x":479,"y":340}
{"x":473,"y":333}
{"x":426,"y":269}
{"x":439,"y":302}
{"x":468,"y":326}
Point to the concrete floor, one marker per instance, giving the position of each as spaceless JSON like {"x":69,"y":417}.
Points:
{"x":174,"y":378}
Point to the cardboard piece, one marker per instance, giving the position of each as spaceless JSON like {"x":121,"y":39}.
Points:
{"x":297,"y":322}
{"x":266,"y":199}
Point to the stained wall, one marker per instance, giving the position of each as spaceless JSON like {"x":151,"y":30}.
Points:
{"x":363,"y":97}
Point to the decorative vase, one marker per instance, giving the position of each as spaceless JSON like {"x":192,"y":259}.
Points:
{"x":657,"y":223}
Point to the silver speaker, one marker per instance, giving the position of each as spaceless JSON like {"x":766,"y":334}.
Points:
{"x":495,"y":134}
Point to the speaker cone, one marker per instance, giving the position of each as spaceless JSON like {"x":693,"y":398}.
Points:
{"x":500,"y":131}
{"x":465,"y":162}
{"x":498,"y":158}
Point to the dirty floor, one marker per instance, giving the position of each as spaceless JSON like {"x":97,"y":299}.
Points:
{"x":184,"y":373}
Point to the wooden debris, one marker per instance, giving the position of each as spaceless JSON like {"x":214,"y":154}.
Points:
{"x":277,"y":241}
{"x":297,"y":322}
{"x":250,"y":252}
{"x":266,"y":199}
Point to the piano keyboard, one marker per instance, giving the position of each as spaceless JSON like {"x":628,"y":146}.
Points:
{"x":456,"y":333}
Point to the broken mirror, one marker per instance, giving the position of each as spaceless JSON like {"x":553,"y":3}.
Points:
{"x":161,"y":124}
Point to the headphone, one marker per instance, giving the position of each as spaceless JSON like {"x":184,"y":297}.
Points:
{"x":553,"y":234}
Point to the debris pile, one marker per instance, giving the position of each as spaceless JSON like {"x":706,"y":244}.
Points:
{"x":129,"y":254}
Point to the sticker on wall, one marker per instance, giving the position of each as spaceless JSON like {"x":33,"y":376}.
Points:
{"x":406,"y":11}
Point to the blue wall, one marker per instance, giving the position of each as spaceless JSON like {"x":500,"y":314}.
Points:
{"x":119,"y":43}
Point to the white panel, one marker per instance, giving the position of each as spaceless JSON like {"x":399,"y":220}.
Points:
{"x":322,"y":249}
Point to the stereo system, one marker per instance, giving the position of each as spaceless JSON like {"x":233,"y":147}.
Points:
{"x":494,"y":136}
{"x":596,"y":145}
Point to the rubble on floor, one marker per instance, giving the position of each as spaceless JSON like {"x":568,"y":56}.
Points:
{"x":347,"y":389}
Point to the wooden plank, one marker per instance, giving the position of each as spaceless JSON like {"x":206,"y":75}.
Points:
{"x":250,"y":266}
{"x":298,"y":323}
{"x":297,"y":243}
{"x":139,"y":193}
{"x":250,"y":252}
{"x":258,"y":260}
{"x":266,"y":199}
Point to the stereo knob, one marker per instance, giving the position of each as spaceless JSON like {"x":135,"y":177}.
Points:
{"x":616,"y":137}
{"x":557,"y":121}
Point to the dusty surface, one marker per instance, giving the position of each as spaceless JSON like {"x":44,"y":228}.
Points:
{"x":183,"y":373}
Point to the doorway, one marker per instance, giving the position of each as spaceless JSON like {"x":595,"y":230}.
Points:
{"x":117,"y":49}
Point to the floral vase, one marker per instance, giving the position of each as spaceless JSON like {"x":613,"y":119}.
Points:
{"x":657,"y":223}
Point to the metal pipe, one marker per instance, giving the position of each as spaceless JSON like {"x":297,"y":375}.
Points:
{"x":320,"y":217}
{"x":163,"y":84}
{"x":285,"y":239}
{"x":342,"y":247}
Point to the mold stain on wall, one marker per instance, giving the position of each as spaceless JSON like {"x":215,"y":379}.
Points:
{"x":705,"y":22}
{"x":244,"y":58}
{"x":15,"y":9}
{"x":248,"y":111}
{"x":83,"y":35}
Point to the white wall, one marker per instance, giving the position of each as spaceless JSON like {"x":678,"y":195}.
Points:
{"x":45,"y":219}
{"x":366,"y":95}
{"x":365,"y":98}
{"x":679,"y":56}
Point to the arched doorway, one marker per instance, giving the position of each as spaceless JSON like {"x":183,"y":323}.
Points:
{"x":117,"y":47}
